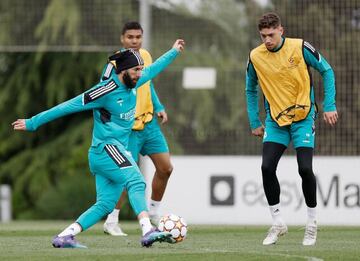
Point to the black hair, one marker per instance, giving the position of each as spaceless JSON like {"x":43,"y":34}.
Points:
{"x":132,"y":25}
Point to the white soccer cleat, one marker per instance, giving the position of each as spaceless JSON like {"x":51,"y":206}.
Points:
{"x":274,"y":233}
{"x":113,"y":229}
{"x":310,"y":235}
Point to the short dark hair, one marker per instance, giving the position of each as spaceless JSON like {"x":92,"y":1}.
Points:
{"x":132,"y":25}
{"x":269,"y":20}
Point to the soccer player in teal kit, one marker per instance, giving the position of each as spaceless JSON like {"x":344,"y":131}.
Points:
{"x":113,"y":104}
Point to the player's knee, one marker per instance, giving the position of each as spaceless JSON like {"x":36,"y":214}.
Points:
{"x":165,"y":171}
{"x":134,"y":187}
{"x":267,"y":169}
{"x":141,"y":186}
{"x":106,"y":206}
{"x":306,"y":172}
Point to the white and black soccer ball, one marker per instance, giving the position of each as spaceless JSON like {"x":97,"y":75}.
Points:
{"x":174,"y":224}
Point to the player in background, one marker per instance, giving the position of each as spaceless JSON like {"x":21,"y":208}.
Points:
{"x":280,"y":66}
{"x":146,"y":137}
{"x":113,"y":104}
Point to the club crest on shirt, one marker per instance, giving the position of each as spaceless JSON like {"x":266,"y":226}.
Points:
{"x":293,"y":63}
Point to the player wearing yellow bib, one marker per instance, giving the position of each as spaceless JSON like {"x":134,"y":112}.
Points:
{"x":280,"y":66}
{"x":146,"y":137}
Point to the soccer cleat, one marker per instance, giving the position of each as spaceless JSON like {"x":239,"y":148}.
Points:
{"x":113,"y":229}
{"x":154,"y":219}
{"x":310,"y":235}
{"x":66,"y":242}
{"x":154,"y":235}
{"x":274,"y":233}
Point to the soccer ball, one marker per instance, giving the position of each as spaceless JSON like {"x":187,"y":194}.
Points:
{"x":175,"y":225}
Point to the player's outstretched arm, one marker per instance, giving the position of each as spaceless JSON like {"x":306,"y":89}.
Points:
{"x":19,"y":124}
{"x":161,"y":63}
{"x":179,"y":45}
{"x":86,"y":101}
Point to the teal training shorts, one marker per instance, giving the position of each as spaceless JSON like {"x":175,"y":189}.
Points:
{"x":301,"y":133}
{"x":148,"y":141}
{"x":113,"y":169}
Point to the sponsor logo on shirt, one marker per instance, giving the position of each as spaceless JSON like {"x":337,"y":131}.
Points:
{"x":130,"y":115}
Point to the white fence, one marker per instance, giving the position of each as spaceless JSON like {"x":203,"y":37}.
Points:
{"x":228,"y":190}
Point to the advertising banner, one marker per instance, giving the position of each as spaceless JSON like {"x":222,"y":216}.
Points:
{"x":228,"y":190}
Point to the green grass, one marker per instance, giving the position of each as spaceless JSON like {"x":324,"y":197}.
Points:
{"x":32,"y":241}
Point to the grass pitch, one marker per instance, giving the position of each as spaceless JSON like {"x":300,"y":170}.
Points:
{"x":32,"y":241}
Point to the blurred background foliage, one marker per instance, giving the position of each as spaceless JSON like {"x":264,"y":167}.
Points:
{"x":48,"y":169}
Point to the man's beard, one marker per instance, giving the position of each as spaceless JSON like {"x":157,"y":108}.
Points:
{"x":128,"y":81}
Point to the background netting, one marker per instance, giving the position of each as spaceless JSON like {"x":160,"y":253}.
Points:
{"x":219,"y":34}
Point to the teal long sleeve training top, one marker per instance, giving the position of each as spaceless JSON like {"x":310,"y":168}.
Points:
{"x":113,"y":106}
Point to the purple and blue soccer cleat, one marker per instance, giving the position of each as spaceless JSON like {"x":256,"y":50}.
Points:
{"x":66,"y":242}
{"x":154,"y":235}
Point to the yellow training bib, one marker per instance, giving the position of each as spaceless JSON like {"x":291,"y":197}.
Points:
{"x":144,"y":106}
{"x":285,"y":81}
